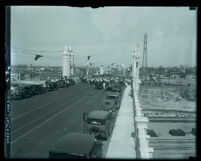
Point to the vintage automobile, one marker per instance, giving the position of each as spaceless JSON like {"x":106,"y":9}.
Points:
{"x":71,"y":82}
{"x":49,"y":86}
{"x":98,"y":123}
{"x":109,"y":105}
{"x":115,"y":96}
{"x":76,"y":146}
{"x":116,"y":88}
{"x":109,"y":86}
{"x":121,"y":82}
{"x":21,"y":91}
{"x":62,"y":83}
{"x":98,"y":85}
{"x":38,"y":89}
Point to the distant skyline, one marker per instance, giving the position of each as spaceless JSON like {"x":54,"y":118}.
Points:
{"x":107,"y":34}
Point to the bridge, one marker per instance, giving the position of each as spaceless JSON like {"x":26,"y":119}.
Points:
{"x":37,"y":122}
{"x":129,"y":139}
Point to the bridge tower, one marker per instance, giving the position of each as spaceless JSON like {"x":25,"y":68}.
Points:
{"x":66,"y":61}
{"x":101,"y":70}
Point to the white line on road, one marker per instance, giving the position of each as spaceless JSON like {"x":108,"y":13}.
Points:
{"x":47,"y":120}
{"x":13,"y":131}
{"x":36,"y":109}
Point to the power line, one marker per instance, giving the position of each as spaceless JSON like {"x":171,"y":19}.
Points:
{"x":61,"y":51}
{"x":40,"y":51}
{"x":46,"y":57}
{"x":30,"y":52}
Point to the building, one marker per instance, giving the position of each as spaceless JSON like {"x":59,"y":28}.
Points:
{"x":190,"y":76}
{"x":53,"y":73}
{"x":17,"y":76}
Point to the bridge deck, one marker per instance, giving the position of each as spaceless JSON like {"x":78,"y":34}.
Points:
{"x":122,"y":143}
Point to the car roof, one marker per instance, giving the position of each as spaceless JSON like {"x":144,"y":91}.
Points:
{"x":74,"y":143}
{"x":25,"y":85}
{"x":98,"y":114}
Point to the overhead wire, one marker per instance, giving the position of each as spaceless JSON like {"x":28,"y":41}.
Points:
{"x":31,"y":52}
{"x":46,"y":51}
{"x":43,"y":51}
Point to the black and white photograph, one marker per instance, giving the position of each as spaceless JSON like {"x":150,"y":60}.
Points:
{"x":113,"y":82}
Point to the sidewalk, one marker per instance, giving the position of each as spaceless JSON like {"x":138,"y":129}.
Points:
{"x":122,"y":143}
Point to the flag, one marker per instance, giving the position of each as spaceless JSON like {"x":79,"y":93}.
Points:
{"x":88,"y":57}
{"x":37,"y":57}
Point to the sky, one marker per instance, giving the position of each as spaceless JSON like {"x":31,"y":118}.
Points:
{"x":108,"y":34}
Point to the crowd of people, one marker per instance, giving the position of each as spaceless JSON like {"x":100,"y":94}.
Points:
{"x":105,"y":82}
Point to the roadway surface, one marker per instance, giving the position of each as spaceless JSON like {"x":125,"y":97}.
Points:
{"x":37,"y":122}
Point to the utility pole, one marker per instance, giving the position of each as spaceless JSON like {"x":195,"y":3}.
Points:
{"x":144,"y":59}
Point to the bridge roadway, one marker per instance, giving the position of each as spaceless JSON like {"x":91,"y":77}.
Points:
{"x":37,"y":122}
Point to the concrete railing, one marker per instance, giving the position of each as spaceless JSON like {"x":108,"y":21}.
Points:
{"x":143,"y":151}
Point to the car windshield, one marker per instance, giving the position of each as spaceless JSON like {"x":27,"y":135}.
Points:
{"x":111,"y":97}
{"x":96,"y":121}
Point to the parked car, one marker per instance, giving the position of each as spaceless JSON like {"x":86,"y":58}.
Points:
{"x":76,"y":145}
{"x":71,"y":82}
{"x":115,"y":96}
{"x":116,"y":88}
{"x":62,"y":83}
{"x":109,"y":105}
{"x":109,"y":86}
{"x":21,"y":91}
{"x":98,"y":123}
{"x":98,"y":85}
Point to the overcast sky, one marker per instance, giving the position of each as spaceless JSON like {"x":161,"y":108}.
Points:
{"x":108,"y":34}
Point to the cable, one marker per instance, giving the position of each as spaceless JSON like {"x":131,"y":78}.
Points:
{"x":43,"y":51}
{"x":30,"y":52}
{"x":46,"y":57}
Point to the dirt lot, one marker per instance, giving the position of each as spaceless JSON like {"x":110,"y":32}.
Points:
{"x":168,"y":97}
{"x":174,"y":98}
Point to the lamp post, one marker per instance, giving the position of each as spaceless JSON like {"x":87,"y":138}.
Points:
{"x":72,"y":64}
{"x":135,"y":71}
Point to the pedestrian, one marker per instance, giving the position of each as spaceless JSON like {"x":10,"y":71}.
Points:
{"x":104,"y":85}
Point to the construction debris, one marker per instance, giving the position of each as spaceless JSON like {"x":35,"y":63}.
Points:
{"x":165,"y":98}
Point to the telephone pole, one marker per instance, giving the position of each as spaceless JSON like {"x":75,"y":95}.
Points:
{"x":144,"y":59}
